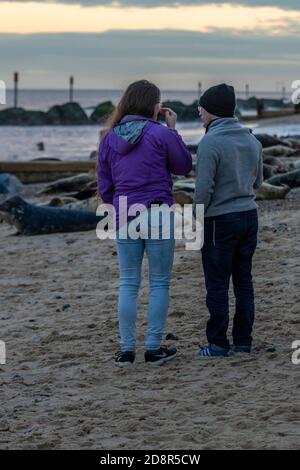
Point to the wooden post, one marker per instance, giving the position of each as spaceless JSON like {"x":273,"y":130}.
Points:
{"x":199,"y":90}
{"x":2,"y":92}
{"x":247,"y":91}
{"x":71,"y":90}
{"x":259,"y":106}
{"x":16,"y":81}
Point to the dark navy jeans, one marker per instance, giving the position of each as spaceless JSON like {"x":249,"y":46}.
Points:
{"x":229,"y":244}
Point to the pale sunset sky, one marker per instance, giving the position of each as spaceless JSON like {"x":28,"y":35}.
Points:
{"x":107,"y":44}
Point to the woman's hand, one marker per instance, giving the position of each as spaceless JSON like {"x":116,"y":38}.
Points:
{"x":170,"y":117}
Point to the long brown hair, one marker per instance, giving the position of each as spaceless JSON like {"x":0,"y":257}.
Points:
{"x":139,"y":98}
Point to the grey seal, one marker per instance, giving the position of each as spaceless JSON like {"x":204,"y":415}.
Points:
{"x":32,"y":220}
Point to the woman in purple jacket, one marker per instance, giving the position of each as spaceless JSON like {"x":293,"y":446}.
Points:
{"x":136,"y":158}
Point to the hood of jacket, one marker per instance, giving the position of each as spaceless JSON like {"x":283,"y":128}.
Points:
{"x":128,"y":133}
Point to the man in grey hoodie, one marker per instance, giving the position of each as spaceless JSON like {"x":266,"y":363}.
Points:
{"x":229,"y":168}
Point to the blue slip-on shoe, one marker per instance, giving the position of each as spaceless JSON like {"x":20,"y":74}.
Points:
{"x":212,"y":350}
{"x":239,"y":348}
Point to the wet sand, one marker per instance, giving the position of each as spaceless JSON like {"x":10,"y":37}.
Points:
{"x":59,"y":389}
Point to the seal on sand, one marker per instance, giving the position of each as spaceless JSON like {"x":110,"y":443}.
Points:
{"x":292,"y":179}
{"x":33,"y":220}
{"x":72,"y":183}
{"x":268,"y":191}
{"x":9,"y":184}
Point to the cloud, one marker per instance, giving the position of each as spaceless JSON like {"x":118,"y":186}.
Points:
{"x":283,"y":4}
{"x":61,"y":18}
{"x":174,"y":59}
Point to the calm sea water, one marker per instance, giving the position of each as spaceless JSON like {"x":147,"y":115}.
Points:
{"x":77,"y":142}
{"x":66,"y":143}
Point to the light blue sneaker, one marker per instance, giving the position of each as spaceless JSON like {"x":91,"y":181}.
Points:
{"x":212,"y":350}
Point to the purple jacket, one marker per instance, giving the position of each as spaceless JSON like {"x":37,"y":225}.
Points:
{"x":136,"y":159}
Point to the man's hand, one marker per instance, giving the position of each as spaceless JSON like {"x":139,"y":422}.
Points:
{"x":170,"y":117}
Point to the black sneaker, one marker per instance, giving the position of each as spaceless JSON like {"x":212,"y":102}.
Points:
{"x":160,"y":356}
{"x":123,"y":359}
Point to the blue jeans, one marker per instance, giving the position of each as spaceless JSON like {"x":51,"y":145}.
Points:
{"x":160,"y":253}
{"x":229,"y":244}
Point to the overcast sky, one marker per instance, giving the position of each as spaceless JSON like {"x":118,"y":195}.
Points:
{"x":107,"y":44}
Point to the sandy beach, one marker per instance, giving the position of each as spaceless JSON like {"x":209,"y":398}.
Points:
{"x":59,"y":389}
{"x":105,"y":99}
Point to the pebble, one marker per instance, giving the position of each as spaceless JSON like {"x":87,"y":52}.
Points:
{"x":64,"y":307}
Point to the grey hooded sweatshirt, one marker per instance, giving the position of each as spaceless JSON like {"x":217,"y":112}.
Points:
{"x":229,"y":168}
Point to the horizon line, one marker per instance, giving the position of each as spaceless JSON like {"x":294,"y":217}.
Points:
{"x":122,"y":89}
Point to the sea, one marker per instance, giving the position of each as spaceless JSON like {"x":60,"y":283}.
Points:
{"x":78,"y":142}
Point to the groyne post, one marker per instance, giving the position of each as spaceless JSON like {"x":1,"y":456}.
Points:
{"x":71,"y":89}
{"x":247,"y":91}
{"x":199,"y":90}
{"x":260,"y":106}
{"x":16,"y":82}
